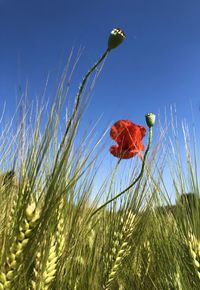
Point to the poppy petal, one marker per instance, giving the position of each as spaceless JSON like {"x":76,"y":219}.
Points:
{"x":128,"y":137}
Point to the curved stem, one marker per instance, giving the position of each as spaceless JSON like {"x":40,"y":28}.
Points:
{"x":78,"y":99}
{"x":135,"y":181}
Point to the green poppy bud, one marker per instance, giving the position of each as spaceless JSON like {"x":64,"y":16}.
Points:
{"x":150,"y":119}
{"x":116,"y":38}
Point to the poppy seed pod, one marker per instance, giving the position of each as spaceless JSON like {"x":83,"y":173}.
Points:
{"x":116,"y":38}
{"x":150,"y":119}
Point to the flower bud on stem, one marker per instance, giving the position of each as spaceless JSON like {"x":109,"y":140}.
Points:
{"x":141,"y":171}
{"x":115,"y":38}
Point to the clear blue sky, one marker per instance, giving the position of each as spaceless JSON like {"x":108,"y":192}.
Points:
{"x":157,"y":65}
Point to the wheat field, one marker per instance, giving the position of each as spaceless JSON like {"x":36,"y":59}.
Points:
{"x":56,"y":234}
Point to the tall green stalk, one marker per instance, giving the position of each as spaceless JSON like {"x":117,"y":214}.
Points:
{"x":116,"y":38}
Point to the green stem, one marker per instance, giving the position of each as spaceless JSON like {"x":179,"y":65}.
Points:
{"x":135,"y":181}
{"x":78,"y":99}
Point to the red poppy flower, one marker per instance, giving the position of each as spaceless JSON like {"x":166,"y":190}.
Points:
{"x":129,"y":139}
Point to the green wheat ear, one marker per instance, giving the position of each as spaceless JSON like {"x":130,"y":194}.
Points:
{"x":121,"y":248}
{"x":194,"y":248}
{"x":14,"y":263}
{"x":150,"y":120}
{"x":44,"y":275}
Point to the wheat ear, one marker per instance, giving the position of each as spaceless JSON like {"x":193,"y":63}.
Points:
{"x":122,"y":250}
{"x":59,"y":235}
{"x":13,"y":264}
{"x":194,"y":248}
{"x":47,"y":276}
